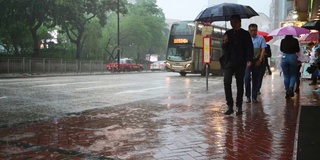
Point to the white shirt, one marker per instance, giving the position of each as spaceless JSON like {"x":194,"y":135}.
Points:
{"x":313,"y":56}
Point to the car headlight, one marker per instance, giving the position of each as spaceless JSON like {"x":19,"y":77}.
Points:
{"x":168,"y":64}
{"x":187,"y":65}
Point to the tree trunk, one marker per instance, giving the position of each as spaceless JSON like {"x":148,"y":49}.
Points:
{"x":78,"y":54}
{"x":36,"y":43}
{"x":36,"y":47}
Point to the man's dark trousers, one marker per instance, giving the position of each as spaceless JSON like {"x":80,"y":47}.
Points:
{"x":238,"y":71}
{"x":262,"y":72}
{"x":252,"y":76}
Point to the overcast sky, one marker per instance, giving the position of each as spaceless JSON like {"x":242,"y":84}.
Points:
{"x":189,"y":9}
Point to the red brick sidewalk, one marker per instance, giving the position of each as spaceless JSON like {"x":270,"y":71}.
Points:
{"x":167,"y":129}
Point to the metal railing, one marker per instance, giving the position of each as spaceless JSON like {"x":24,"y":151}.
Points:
{"x":49,"y":65}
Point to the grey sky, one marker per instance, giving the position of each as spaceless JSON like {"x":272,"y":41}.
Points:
{"x":189,"y":9}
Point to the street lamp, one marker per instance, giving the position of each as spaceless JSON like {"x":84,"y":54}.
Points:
{"x":118,"y":35}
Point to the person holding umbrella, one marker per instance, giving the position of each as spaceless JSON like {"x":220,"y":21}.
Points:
{"x":238,"y":48}
{"x":289,"y":46}
{"x":253,"y":72}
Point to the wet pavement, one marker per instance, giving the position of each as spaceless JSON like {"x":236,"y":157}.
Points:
{"x":168,"y":128}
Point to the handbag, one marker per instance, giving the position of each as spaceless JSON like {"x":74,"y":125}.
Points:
{"x":311,"y":69}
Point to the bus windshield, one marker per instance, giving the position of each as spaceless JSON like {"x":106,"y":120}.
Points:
{"x":179,"y":54}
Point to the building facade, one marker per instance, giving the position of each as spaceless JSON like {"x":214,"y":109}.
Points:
{"x":279,"y":11}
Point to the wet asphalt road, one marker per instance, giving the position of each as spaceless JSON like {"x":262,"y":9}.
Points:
{"x":32,"y":99}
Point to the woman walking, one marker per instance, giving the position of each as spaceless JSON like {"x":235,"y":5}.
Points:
{"x":289,"y":46}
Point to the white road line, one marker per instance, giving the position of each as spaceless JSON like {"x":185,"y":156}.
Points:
{"x":21,"y":80}
{"x":49,"y":85}
{"x":64,"y":84}
{"x":109,"y":86}
{"x":141,"y":90}
{"x":3,"y":97}
{"x":26,"y":82}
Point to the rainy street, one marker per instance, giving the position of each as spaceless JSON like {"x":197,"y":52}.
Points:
{"x":121,"y":80}
{"x":30,"y":99}
{"x":143,"y":115}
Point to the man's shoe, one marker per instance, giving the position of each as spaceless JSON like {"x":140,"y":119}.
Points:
{"x":259,"y":93}
{"x":297,"y":90}
{"x":239,"y":111}
{"x":229,"y":111}
{"x":254,"y":100}
{"x":248,"y":100}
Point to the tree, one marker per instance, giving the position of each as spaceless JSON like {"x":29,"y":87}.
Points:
{"x":93,"y":46}
{"x":17,"y":15}
{"x":141,"y":31}
{"x":73,"y":16}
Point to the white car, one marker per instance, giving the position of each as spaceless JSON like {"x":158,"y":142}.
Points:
{"x":157,"y":66}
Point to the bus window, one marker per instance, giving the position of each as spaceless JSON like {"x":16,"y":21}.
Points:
{"x":179,"y":54}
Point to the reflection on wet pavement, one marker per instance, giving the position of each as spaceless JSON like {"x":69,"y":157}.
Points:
{"x":186,"y":126}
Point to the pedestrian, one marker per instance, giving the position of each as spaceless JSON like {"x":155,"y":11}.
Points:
{"x":238,"y":49}
{"x":289,"y":46}
{"x":252,"y":76}
{"x":268,"y":54}
{"x":315,"y":63}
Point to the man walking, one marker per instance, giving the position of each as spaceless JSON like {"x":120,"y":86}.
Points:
{"x":238,"y":50}
{"x":252,"y":74}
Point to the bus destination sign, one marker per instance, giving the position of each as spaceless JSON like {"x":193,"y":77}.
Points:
{"x":180,"y":40}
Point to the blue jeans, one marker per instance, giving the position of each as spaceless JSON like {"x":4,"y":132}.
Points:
{"x":252,"y":72}
{"x":289,"y":68}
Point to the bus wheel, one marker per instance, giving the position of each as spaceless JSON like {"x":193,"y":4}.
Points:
{"x":183,"y":73}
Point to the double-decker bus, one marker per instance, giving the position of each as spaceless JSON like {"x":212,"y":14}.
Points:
{"x":184,"y":52}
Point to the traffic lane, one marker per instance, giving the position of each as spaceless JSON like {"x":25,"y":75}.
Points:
{"x":30,"y":99}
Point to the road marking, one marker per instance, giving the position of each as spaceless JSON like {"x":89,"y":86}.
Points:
{"x":140,"y":90}
{"x":26,"y":82}
{"x":97,"y":87}
{"x":21,"y":80}
{"x":64,"y":84}
{"x":3,"y":97}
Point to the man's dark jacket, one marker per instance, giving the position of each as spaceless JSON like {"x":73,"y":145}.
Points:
{"x":239,"y":48}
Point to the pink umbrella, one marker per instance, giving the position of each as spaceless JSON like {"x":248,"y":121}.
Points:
{"x":313,"y":36}
{"x":289,"y":30}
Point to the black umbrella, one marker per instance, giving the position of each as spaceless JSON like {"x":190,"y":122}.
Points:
{"x":312,"y":25}
{"x":223,"y":12}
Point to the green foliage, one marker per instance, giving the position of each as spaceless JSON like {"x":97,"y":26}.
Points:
{"x":93,"y":46}
{"x":87,"y":28}
{"x":20,"y":16}
{"x":74,"y":16}
{"x":141,"y":31}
